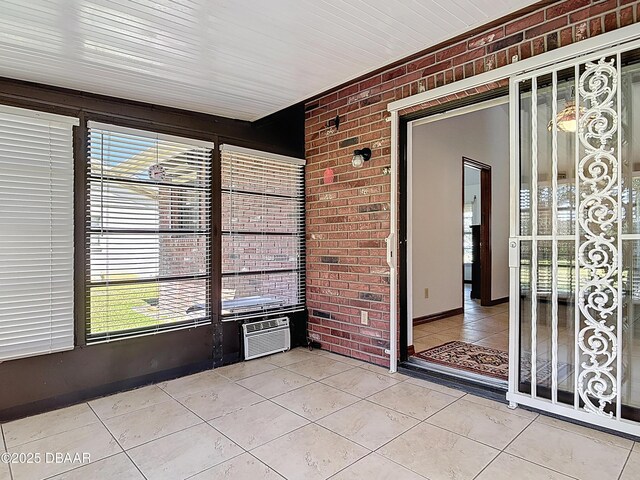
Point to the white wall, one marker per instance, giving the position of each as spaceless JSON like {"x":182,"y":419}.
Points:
{"x":437,"y":151}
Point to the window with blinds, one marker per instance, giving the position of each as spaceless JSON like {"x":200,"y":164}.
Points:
{"x":467,"y":235}
{"x":36,"y":244}
{"x":148,"y":232}
{"x":263,"y":267}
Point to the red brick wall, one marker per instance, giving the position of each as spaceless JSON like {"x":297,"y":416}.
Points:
{"x":348,"y":220}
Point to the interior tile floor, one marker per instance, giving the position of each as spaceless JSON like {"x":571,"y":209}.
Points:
{"x":486,"y":326}
{"x":310,"y":415}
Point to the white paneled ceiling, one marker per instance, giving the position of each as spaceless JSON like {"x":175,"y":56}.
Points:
{"x":236,"y":58}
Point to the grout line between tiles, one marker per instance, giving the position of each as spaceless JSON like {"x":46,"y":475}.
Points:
{"x":269,"y":466}
{"x":504,"y":450}
{"x":585,"y":435}
{"x":80,"y":466}
{"x":625,"y":463}
{"x":219,"y":463}
{"x":344,"y":468}
{"x":6,"y":449}
{"x":57,"y":433}
{"x":123,"y":450}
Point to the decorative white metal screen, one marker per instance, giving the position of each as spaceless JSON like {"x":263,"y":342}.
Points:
{"x":575,"y":239}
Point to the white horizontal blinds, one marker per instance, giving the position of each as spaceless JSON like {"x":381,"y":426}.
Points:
{"x":263,"y":268}
{"x":467,"y":241}
{"x":148,"y":232}
{"x":36,"y":233}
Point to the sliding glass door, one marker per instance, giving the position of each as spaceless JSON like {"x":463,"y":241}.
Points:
{"x":575,"y":247}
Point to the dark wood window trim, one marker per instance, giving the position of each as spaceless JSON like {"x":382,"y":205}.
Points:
{"x":152,"y":118}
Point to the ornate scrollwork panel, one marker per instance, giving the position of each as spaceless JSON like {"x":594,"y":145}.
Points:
{"x":598,"y":173}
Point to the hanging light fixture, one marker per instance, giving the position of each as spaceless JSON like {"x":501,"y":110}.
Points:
{"x":566,"y":118}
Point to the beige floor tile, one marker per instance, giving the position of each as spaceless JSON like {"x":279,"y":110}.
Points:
{"x":242,"y":467}
{"x":508,"y":467}
{"x":463,"y":334}
{"x":632,"y":468}
{"x":636,"y":447}
{"x":421,"y":333}
{"x":94,"y":440}
{"x":340,"y":358}
{"x":141,"y":426}
{"x":448,"y":322}
{"x":501,"y":406}
{"x":473,"y":314}
{"x":292,"y":356}
{"x":127,"y":402}
{"x":377,"y":369}
{"x":376,"y":467}
{"x":484,"y":424}
{"x":223,"y":399}
{"x":116,"y":467}
{"x":315,"y":401}
{"x":568,"y":452}
{"x":587,"y":432}
{"x":241,"y":370}
{"x":183,"y":454}
{"x":498,"y":341}
{"x":193,"y":383}
{"x":438,"y":454}
{"x":430,"y":328}
{"x":318,"y":367}
{"x":360,"y":382}
{"x":312,"y":453}
{"x":409,"y":399}
{"x":489,"y":325}
{"x":44,"y":425}
{"x":274,"y":382}
{"x":368,"y":424}
{"x":258,"y":424}
{"x":431,"y":341}
{"x":435,"y":386}
{"x":5,"y":473}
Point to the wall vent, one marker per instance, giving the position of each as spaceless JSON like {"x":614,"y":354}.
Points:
{"x":266,"y":337}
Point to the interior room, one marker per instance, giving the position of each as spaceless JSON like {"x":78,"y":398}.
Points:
{"x":452,"y":327}
{"x":335,"y":240}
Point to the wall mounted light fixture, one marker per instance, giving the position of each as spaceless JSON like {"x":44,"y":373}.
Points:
{"x":334,"y":122}
{"x":360,"y":156}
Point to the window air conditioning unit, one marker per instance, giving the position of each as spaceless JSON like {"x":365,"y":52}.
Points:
{"x":266,"y":337}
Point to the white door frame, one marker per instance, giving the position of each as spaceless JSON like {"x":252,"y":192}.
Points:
{"x":616,"y":37}
{"x":503,"y":100}
{"x":550,"y":60}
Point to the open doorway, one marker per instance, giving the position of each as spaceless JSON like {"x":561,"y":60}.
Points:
{"x":476,"y":231}
{"x":460,"y":155}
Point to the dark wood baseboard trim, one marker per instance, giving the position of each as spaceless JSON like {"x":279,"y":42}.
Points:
{"x":438,"y":316}
{"x":411,"y":350}
{"x":75,"y":397}
{"x":498,"y":301}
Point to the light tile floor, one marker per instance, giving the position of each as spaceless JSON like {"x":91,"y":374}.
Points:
{"x":486,"y":326}
{"x":311,"y":415}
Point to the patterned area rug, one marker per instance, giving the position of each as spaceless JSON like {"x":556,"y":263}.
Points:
{"x":543,"y":372}
{"x":489,"y":361}
{"x":472,"y":358}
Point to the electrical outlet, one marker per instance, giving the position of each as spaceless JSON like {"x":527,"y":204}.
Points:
{"x":426,"y":293}
{"x":364,"y":317}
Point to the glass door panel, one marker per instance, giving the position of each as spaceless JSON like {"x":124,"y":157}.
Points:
{"x":578,"y":237}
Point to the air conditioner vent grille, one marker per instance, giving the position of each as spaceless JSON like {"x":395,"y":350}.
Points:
{"x":266,"y":337}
